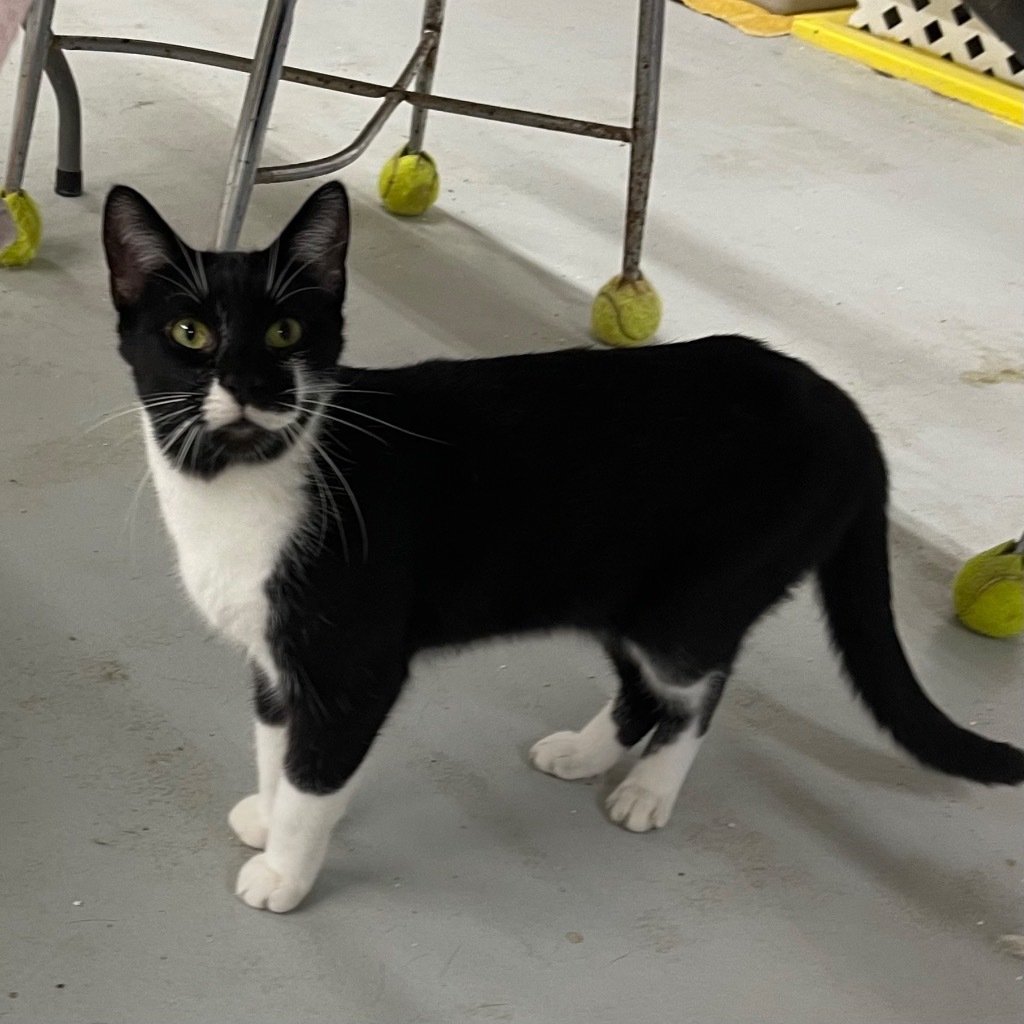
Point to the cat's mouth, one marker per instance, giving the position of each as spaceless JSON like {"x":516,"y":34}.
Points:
{"x":241,"y":430}
{"x":241,"y":435}
{"x":192,"y":444}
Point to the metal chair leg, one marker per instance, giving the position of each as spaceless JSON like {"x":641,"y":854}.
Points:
{"x":252,"y":122}
{"x":433,"y":19}
{"x":627,"y":309}
{"x":647,"y":84}
{"x":33,"y":59}
{"x":69,"y":124}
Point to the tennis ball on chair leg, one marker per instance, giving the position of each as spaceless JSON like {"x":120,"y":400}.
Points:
{"x":988,"y":592}
{"x":409,"y":183}
{"x":28,"y":223}
{"x":625,"y":312}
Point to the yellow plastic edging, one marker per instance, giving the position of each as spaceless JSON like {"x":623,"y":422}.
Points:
{"x":831,"y":31}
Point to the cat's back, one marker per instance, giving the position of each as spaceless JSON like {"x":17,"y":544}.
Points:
{"x":720,"y":379}
{"x":713,"y":365}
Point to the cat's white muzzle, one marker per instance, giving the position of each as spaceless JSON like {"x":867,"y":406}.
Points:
{"x":221,"y":409}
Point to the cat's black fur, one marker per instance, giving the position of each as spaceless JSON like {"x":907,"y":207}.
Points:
{"x":660,"y":499}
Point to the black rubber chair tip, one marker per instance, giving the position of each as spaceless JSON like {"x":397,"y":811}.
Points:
{"x":69,"y":183}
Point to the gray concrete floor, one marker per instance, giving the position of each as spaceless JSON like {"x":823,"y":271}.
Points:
{"x":812,"y":873}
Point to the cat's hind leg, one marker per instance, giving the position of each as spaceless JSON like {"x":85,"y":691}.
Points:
{"x":645,"y":798}
{"x":600,"y":744}
{"x":685,"y":644}
{"x":250,"y":817}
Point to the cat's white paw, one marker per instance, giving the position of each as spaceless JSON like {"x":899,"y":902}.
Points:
{"x":580,"y":755}
{"x":574,"y":755}
{"x":639,"y":809}
{"x":248,"y":820}
{"x":262,"y":887}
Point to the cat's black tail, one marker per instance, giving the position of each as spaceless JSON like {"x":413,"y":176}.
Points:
{"x":855,"y":589}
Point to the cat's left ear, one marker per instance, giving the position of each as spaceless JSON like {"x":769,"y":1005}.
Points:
{"x":317,"y":238}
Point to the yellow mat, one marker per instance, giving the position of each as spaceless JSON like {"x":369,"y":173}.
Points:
{"x":745,"y":16}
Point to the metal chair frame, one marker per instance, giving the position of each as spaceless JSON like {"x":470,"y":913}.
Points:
{"x":45,"y":52}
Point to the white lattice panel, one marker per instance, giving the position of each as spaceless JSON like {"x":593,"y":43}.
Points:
{"x":943,"y":27}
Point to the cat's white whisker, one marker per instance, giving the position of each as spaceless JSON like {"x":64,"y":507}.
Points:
{"x":297,"y":291}
{"x":133,"y":504}
{"x":348,"y":490}
{"x":187,"y":288}
{"x":110,"y":417}
{"x":332,"y":390}
{"x":348,"y":410}
{"x":272,"y":262}
{"x":320,"y":410}
{"x":324,"y":496}
{"x":179,"y":462}
{"x":352,"y":426}
{"x":336,"y":389}
{"x":193,"y":268}
{"x":168,"y":399}
{"x":276,"y":283}
{"x":328,"y":504}
{"x":202,"y":272}
{"x":384,"y":423}
{"x":160,"y":420}
{"x":135,"y":408}
{"x":180,"y":430}
{"x":194,"y":446}
{"x":131,"y":516}
{"x":302,"y":266}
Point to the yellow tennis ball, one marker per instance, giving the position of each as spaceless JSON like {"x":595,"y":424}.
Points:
{"x":29,"y":224}
{"x":988,"y":592}
{"x":409,"y":183}
{"x":625,"y":312}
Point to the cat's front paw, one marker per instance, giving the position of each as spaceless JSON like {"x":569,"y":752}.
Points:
{"x":248,"y":820}
{"x":639,"y":809}
{"x":260,"y":886}
{"x":571,"y":755}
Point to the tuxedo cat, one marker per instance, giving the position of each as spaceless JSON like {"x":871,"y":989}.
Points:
{"x":333,"y":521}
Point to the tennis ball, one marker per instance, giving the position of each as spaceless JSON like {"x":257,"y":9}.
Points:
{"x":988,"y":592}
{"x":409,"y":183}
{"x":29,"y":224}
{"x":625,"y":312}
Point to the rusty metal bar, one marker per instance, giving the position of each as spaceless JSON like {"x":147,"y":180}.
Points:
{"x":351,"y":86}
{"x":433,"y":19}
{"x":650,"y":31}
{"x":334,"y":162}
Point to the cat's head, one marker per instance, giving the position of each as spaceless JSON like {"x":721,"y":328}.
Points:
{"x":231,"y":352}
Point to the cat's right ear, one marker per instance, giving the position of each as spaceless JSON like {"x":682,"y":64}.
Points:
{"x":137,"y":241}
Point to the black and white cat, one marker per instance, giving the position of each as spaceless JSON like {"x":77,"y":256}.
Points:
{"x":334,"y":521}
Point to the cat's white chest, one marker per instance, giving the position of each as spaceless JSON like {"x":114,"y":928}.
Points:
{"x":230,"y":533}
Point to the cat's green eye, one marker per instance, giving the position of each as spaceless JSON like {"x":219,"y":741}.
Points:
{"x":191,"y":333}
{"x":284,"y":333}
